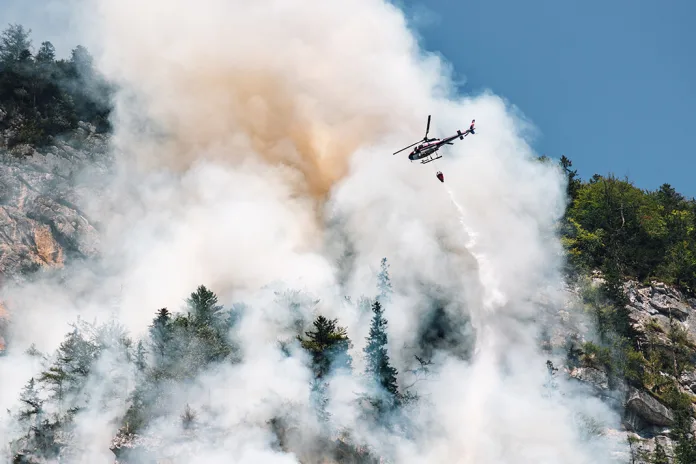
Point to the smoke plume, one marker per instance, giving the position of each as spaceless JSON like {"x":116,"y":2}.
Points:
{"x":253,"y":145}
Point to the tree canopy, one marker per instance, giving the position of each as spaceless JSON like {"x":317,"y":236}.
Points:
{"x":42,"y":97}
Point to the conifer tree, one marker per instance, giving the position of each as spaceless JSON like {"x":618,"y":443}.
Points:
{"x":46,"y":53}
{"x":571,"y":176}
{"x":328,"y":345}
{"x":81,"y":59}
{"x":203,"y":305}
{"x":74,"y":360}
{"x":32,"y":405}
{"x":161,"y":334}
{"x":378,"y":368}
{"x":384,"y":283}
{"x":207,"y":337}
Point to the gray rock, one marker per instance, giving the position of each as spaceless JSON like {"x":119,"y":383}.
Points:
{"x":595,"y":377}
{"x":643,"y":449}
{"x":688,"y":380}
{"x":649,"y":408}
{"x":41,"y":222}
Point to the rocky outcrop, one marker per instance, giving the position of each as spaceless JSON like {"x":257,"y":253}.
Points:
{"x":650,"y":410}
{"x":40,"y":222}
{"x":658,"y":298}
{"x":593,"y":376}
{"x":654,"y":311}
{"x":643,"y":450}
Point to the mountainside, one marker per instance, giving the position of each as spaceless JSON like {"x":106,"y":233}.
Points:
{"x":40,"y":222}
{"x":652,"y":385}
{"x":435,"y":353}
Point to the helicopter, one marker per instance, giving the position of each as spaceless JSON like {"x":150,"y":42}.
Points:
{"x":428,"y":147}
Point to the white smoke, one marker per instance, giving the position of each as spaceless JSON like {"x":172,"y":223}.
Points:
{"x":241,"y":130}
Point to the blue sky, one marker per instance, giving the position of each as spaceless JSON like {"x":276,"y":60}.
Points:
{"x":611,"y":84}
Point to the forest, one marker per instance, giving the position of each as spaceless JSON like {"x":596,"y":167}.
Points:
{"x":610,"y":226}
{"x":42,"y":97}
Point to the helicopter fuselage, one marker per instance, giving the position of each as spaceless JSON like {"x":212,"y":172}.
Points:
{"x":424,"y":150}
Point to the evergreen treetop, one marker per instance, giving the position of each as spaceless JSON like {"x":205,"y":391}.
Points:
{"x":377,"y":367}
{"x":328,"y":344}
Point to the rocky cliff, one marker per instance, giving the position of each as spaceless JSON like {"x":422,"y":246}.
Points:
{"x":40,"y":222}
{"x":664,"y":324}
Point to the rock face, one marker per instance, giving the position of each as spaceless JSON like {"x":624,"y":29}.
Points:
{"x":595,"y":377}
{"x":656,"y":301}
{"x":40,"y":224}
{"x":652,"y":310}
{"x":648,"y":408}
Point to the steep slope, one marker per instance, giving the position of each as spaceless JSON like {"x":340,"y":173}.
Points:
{"x":637,"y":383}
{"x":41,"y":225}
{"x":259,"y":170}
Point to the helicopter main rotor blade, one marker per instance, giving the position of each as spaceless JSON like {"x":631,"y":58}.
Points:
{"x":405,"y":148}
{"x":427,"y":129}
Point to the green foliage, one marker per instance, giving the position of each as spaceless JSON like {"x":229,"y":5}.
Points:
{"x":328,"y":345}
{"x":574,"y":182}
{"x":384,"y":282}
{"x":625,"y":232}
{"x":378,"y":368}
{"x":595,"y":356}
{"x":184,"y":344}
{"x":15,"y":44}
{"x":203,"y":305}
{"x":615,"y":227}
{"x":44,"y":97}
{"x":73,"y":363}
{"x":66,"y":380}
{"x":181,"y":346}
{"x":659,"y":455}
{"x":685,"y":449}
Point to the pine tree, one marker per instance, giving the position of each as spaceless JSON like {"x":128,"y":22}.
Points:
{"x":328,"y":345}
{"x":574,"y":182}
{"x":73,"y":364}
{"x":378,"y":368}
{"x":384,"y":283}
{"x":207,"y":337}
{"x":203,"y":305}
{"x":161,"y":338}
{"x":160,"y":331}
{"x":46,"y":53}
{"x":32,"y":405}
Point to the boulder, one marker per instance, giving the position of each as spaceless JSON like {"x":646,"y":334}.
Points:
{"x":648,"y":408}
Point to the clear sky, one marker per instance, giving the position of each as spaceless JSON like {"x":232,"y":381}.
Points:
{"x":611,"y":84}
{"x":48,"y":20}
